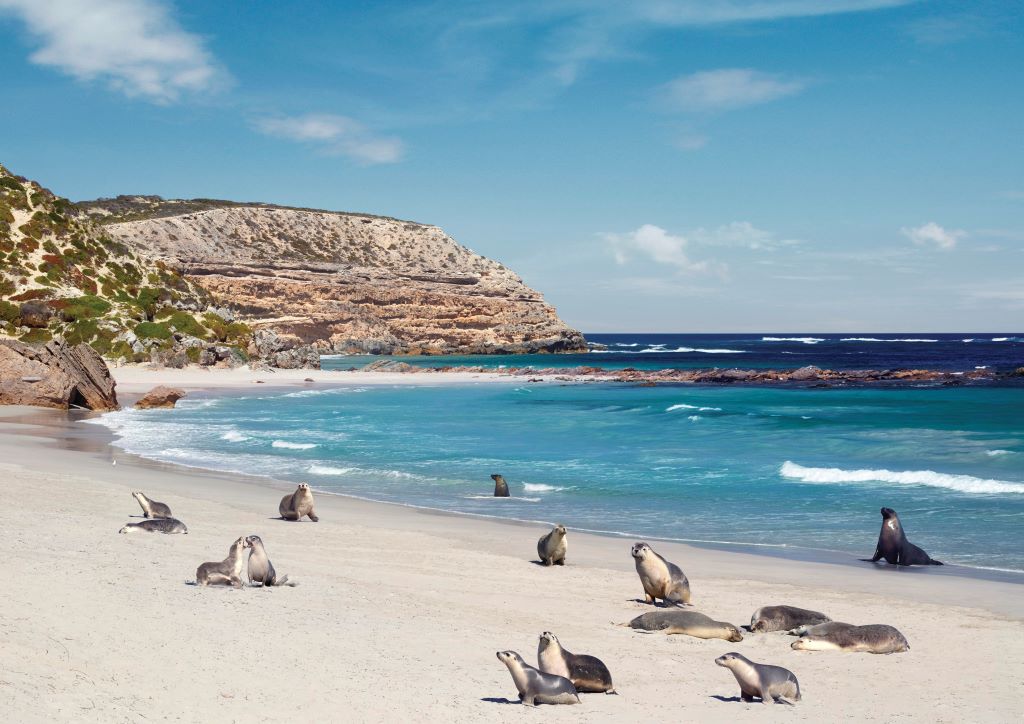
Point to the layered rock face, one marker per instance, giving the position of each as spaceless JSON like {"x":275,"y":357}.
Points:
{"x":55,"y":375}
{"x":342,"y":282}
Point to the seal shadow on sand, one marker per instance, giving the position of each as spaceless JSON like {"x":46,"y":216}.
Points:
{"x":541,"y":565}
{"x":663,"y":604}
{"x":501,"y":700}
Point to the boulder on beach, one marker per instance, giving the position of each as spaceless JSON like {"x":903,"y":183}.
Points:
{"x":160,"y":396}
{"x":56,"y":374}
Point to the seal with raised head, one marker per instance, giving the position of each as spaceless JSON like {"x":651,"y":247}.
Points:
{"x":224,"y":573}
{"x":157,"y":525}
{"x":500,"y":486}
{"x":873,"y":639}
{"x":151,"y":508}
{"x":660,"y":578}
{"x":691,"y":623}
{"x":587,"y":673}
{"x":784,"y":618}
{"x":894,"y":547}
{"x":536,"y":687}
{"x":770,"y":683}
{"x":261,"y":570}
{"x":298,"y":504}
{"x":552,"y":546}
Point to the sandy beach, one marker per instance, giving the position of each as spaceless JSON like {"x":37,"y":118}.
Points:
{"x":400,"y":611}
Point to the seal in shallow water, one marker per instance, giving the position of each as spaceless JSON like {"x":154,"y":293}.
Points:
{"x":536,"y":687}
{"x":894,"y":547}
{"x":298,"y":504}
{"x":691,"y":623}
{"x":158,"y":525}
{"x":500,"y":486}
{"x":224,"y":573}
{"x":784,"y":618}
{"x":151,"y":508}
{"x":260,"y":569}
{"x":873,"y":639}
{"x":587,"y":673}
{"x":770,"y":683}
{"x":660,"y":578}
{"x":552,"y":546}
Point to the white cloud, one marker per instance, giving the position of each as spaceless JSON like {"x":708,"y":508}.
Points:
{"x":711,"y":12}
{"x":134,"y":45}
{"x":741,"y":234}
{"x":654,"y":243}
{"x":727,"y":88}
{"x":335,"y":135}
{"x":931,"y":234}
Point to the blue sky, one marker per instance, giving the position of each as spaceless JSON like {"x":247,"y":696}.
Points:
{"x":659,"y":165}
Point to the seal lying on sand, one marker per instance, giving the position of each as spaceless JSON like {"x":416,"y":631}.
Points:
{"x":224,"y":573}
{"x":784,"y":618}
{"x":660,"y":578}
{"x":151,"y":508}
{"x":819,"y":629}
{"x":587,"y":673}
{"x":874,"y":639}
{"x":771,"y":683}
{"x":298,"y":504}
{"x":691,"y":623}
{"x":536,"y":687}
{"x":552,"y":546}
{"x":260,"y":569}
{"x":159,"y":525}
{"x":500,"y":486}
{"x":894,"y":547}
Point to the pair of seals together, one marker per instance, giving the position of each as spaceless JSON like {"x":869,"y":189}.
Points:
{"x":297,"y":505}
{"x":894,"y":547}
{"x":561,"y":677}
{"x":159,"y":514}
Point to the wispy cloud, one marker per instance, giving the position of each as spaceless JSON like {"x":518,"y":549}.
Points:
{"x":741,"y":234}
{"x":690,"y":141}
{"x":931,"y":234}
{"x":334,"y":135}
{"x":726,"y":89}
{"x":133,"y":45}
{"x":654,"y":243}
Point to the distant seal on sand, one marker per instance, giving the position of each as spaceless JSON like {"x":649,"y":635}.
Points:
{"x":770,"y":683}
{"x":260,"y":569}
{"x":691,"y":623}
{"x":298,"y":504}
{"x":536,"y":687}
{"x":151,"y":508}
{"x":894,"y":547}
{"x":784,"y":618}
{"x":873,"y":639}
{"x":500,"y":486}
{"x":224,"y":573}
{"x":587,"y":673}
{"x":159,"y":525}
{"x":660,"y":578}
{"x":552,"y":546}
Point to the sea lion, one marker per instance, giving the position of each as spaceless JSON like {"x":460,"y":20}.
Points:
{"x":587,"y":673}
{"x":552,"y":546}
{"x":771,"y":683}
{"x":784,"y":618}
{"x":819,"y":629}
{"x":151,"y":508}
{"x":536,"y":687}
{"x":660,"y":578}
{"x":894,"y":547}
{"x":260,"y":569}
{"x":500,"y":487}
{"x":691,"y":623}
{"x":158,"y":525}
{"x":874,"y":639}
{"x":298,"y":504}
{"x":227,"y":572}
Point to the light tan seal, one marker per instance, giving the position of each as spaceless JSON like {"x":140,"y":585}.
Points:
{"x":261,"y":570}
{"x":587,"y":673}
{"x":227,"y":572}
{"x":298,"y":504}
{"x":552,"y":546}
{"x":872,"y":639}
{"x":536,"y":687}
{"x":770,"y":683}
{"x":660,"y":578}
{"x":690,"y":623}
{"x":151,"y":508}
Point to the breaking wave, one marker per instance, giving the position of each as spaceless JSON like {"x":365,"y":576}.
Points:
{"x":930,"y":478}
{"x":293,"y":445}
{"x":804,"y":340}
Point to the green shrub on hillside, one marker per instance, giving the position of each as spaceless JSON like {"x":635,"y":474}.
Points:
{"x":152,"y":330}
{"x":186,"y":324}
{"x":35,"y":336}
{"x":9,"y":312}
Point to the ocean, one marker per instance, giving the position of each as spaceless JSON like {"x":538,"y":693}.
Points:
{"x":780,"y":469}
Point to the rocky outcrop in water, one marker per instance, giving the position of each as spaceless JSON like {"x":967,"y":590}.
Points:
{"x":55,"y":375}
{"x":160,"y":397}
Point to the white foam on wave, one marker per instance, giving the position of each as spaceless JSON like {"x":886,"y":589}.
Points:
{"x":234,"y":436}
{"x":662,"y":350}
{"x":876,"y":339}
{"x":293,"y":445}
{"x":684,"y":406}
{"x":332,"y":470}
{"x":930,"y":478}
{"x":328,"y":470}
{"x":693,"y":418}
{"x":804,"y":340}
{"x":998,"y":453}
{"x":543,"y":488}
{"x":497,"y":497}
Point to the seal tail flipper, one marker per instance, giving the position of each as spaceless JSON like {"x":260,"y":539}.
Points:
{"x":784,"y":700}
{"x":611,"y":692}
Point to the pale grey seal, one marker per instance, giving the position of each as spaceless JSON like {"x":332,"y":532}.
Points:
{"x":299,"y":504}
{"x":151,"y":508}
{"x":691,"y":623}
{"x":660,"y":578}
{"x":770,"y":683}
{"x":552,"y":546}
{"x":500,"y":486}
{"x":536,"y":687}
{"x":158,"y":525}
{"x":587,"y":673}
{"x":227,"y":572}
{"x":261,"y":570}
{"x":873,"y":639}
{"x":819,"y":629}
{"x":784,"y":618}
{"x":894,"y":547}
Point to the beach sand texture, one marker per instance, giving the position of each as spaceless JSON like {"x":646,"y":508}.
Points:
{"x":399,"y":612}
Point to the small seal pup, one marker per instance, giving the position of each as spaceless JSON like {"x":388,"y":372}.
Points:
{"x":552,"y":546}
{"x":771,"y":683}
{"x":873,"y":639}
{"x":691,"y":623}
{"x":660,"y":578}
{"x":784,"y":618}
{"x":158,"y":525}
{"x":298,"y":504}
{"x":224,"y":573}
{"x":151,"y":508}
{"x":819,"y":629}
{"x":587,"y":673}
{"x":260,"y":569}
{"x":894,"y":547}
{"x":500,"y":486}
{"x":536,"y":687}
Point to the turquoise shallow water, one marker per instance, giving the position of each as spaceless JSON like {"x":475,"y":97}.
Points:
{"x":760,"y":466}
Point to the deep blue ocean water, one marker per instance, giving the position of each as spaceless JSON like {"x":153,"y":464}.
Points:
{"x":795,"y":467}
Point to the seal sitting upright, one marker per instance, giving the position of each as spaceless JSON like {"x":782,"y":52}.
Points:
{"x":552,"y":546}
{"x":894,"y":547}
{"x":298,"y":504}
{"x":660,"y":578}
{"x":151,"y":508}
{"x":587,"y":673}
{"x":261,"y":570}
{"x":771,"y":683}
{"x":500,"y":486}
{"x":224,"y":573}
{"x":536,"y":687}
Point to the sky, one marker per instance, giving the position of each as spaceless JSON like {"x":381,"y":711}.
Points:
{"x":651,"y":166}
